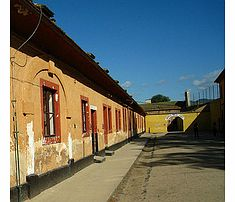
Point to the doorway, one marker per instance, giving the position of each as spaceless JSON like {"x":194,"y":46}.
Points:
{"x":94,"y":134}
{"x":175,"y":125}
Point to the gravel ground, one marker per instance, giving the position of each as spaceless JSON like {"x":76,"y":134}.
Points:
{"x":175,"y":168}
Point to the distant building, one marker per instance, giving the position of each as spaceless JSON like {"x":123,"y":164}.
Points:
{"x":174,"y":116}
{"x":221,"y":120}
{"x":162,"y":107}
{"x":148,"y":101}
{"x":164,"y":116}
{"x":180,"y":116}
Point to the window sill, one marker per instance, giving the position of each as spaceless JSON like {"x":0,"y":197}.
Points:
{"x":51,"y":140}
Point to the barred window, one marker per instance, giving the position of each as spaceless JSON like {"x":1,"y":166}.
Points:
{"x":85,"y":115}
{"x":50,"y":112}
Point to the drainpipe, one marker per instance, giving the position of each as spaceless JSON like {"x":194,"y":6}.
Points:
{"x":17,"y":155}
{"x":15,"y":124}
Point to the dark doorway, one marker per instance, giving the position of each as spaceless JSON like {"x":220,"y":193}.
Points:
{"x":175,"y":125}
{"x":94,"y":134}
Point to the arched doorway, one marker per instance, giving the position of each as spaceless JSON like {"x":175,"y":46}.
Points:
{"x":175,"y":124}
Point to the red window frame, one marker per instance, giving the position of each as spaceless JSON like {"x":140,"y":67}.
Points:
{"x":85,"y":115}
{"x":124,"y":119}
{"x":54,"y":89}
{"x":118,"y":119}
{"x":105,"y":119}
{"x":109,"y":119}
{"x":138,"y":121}
{"x":120,"y":124}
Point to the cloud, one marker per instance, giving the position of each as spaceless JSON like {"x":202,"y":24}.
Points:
{"x":127,"y":84}
{"x":160,"y":82}
{"x":186,"y":77}
{"x":206,"y":80}
{"x":144,"y":85}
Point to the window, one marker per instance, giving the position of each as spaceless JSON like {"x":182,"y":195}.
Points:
{"x":124,"y":119}
{"x":130,"y":121}
{"x":109,"y":120}
{"x":50,"y":112}
{"x":85,"y":115}
{"x":105,"y":120}
{"x":118,"y":119}
{"x":107,"y":117}
{"x":138,"y":121}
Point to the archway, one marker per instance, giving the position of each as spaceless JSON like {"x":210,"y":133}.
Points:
{"x":175,"y":125}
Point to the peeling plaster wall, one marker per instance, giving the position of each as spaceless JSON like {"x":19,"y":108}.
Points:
{"x":31,"y":150}
{"x":77,"y":149}
{"x":35,"y":156}
{"x":116,"y":137}
{"x":70,"y":146}
{"x":50,"y":157}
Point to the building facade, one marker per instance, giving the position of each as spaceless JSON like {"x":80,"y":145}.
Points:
{"x":221,"y":103}
{"x":177,"y":120}
{"x":64,"y":107}
{"x":170,"y":116}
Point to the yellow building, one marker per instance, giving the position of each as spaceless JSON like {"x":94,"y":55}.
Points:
{"x":177,"y":116}
{"x":180,"y":116}
{"x":64,"y":107}
{"x":177,"y":120}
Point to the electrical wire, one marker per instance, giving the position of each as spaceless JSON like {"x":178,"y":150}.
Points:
{"x":15,"y":124}
{"x":39,"y":21}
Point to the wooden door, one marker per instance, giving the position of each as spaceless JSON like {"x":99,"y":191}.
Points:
{"x":94,"y":131}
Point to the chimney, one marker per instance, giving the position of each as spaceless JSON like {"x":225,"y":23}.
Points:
{"x":187,"y":98}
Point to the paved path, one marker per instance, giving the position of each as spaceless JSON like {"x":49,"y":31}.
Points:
{"x":176,"y":168}
{"x":96,"y":182}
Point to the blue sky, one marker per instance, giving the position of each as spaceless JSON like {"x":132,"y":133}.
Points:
{"x":153,"y":46}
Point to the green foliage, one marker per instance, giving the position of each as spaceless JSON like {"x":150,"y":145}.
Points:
{"x":159,"y":98}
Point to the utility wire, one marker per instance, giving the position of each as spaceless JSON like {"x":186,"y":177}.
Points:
{"x":15,"y":124}
{"x":39,"y":21}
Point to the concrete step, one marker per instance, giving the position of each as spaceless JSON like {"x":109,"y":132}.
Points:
{"x":109,"y":153}
{"x":99,"y":159}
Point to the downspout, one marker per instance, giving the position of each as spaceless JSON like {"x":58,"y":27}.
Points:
{"x":15,"y":124}
{"x":16,"y":143}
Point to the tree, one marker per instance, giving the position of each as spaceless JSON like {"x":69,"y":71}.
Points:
{"x":159,"y":98}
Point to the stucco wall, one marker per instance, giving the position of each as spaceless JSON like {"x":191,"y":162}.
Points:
{"x":158,"y":123}
{"x":28,"y":67}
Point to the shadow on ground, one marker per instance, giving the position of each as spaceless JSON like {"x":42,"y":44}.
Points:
{"x":179,"y":149}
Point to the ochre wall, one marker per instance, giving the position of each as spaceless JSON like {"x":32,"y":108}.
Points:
{"x":27,"y":69}
{"x":156,"y":123}
{"x":159,"y":123}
